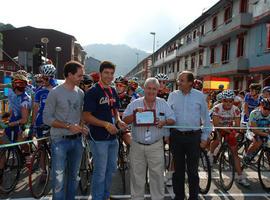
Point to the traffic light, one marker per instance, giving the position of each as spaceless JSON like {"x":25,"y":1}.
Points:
{"x":38,"y":53}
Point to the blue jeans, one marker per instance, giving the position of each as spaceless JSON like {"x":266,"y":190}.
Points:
{"x":105,"y":164}
{"x":66,"y":160}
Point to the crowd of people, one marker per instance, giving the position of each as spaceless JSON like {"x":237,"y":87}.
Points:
{"x":97,"y":106}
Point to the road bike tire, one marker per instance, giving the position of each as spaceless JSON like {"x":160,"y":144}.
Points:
{"x":205,"y":172}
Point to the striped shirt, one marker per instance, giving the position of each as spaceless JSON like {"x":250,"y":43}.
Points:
{"x":163,"y":112}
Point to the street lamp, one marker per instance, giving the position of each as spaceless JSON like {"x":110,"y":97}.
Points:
{"x":57,"y":50}
{"x":45,"y":41}
{"x":153,"y":57}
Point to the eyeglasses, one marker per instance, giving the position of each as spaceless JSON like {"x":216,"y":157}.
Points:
{"x":164,"y":82}
{"x":120,"y":85}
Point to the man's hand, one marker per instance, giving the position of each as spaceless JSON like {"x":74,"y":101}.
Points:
{"x":203,"y":144}
{"x":111,"y":128}
{"x":75,"y":128}
{"x":85,"y":130}
{"x":160,"y":123}
{"x":121,"y":124}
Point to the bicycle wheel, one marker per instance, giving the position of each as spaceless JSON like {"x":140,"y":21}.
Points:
{"x":11,"y":171}
{"x":39,"y":172}
{"x":204,"y":173}
{"x":264,"y":169}
{"x":86,"y":170}
{"x":226,"y":169}
{"x":123,"y":164}
{"x":167,"y":157}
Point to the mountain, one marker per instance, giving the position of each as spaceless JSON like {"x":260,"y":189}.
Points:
{"x":123,"y":56}
{"x":4,"y":27}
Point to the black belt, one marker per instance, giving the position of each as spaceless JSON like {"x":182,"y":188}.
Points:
{"x":148,"y":144}
{"x":193,"y":132}
{"x":72,"y":137}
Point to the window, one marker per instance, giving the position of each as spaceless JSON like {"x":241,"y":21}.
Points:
{"x":228,"y":15}
{"x":202,"y":29}
{"x":201,"y":57}
{"x":225,"y":56}
{"x":243,"y":6}
{"x":240,"y":45}
{"x":173,"y":66}
{"x":193,"y":60}
{"x":214,"y":23}
{"x":194,"y":34}
{"x":188,"y":38}
{"x":212,"y":54}
{"x":186,"y":62}
{"x":268,"y":36}
{"x":178,"y":65}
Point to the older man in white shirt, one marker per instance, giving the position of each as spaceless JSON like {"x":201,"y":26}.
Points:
{"x":147,"y":142}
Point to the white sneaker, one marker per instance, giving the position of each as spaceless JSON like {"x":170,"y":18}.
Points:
{"x":243,"y":181}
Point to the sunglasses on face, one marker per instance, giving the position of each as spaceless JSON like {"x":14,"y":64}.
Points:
{"x":164,"y":82}
{"x":120,"y":85}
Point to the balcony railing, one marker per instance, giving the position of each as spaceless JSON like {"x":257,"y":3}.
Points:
{"x":189,"y":48}
{"x":238,"y":24}
{"x":235,"y":66}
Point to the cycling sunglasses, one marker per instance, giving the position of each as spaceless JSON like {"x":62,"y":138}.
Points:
{"x":120,"y":85}
{"x":228,"y":100}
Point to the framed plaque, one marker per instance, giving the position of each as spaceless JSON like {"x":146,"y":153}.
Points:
{"x":145,"y":118}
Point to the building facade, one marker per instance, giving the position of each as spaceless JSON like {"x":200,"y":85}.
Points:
{"x":231,"y":39}
{"x":24,"y":39}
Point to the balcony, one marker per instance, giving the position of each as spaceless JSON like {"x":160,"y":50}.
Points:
{"x":159,"y":62}
{"x":236,"y":66}
{"x":170,"y":56}
{"x":237,"y":25}
{"x":189,"y":48}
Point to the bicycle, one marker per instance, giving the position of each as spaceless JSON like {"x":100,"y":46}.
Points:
{"x":123,"y":160}
{"x":226,"y":164}
{"x":40,"y":165}
{"x":86,"y":167}
{"x":12,"y":160}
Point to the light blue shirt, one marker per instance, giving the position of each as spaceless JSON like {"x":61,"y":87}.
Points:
{"x":163,"y":112}
{"x":191,"y":111}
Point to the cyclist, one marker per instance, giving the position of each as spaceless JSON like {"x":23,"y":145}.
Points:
{"x":132,"y":87}
{"x":226,"y":114}
{"x":20,"y":106}
{"x":198,"y":84}
{"x":252,"y":100}
{"x":86,"y":83}
{"x":266,"y":92}
{"x":163,"y":91}
{"x":95,"y":76}
{"x":47,"y":72}
{"x":258,"y":118}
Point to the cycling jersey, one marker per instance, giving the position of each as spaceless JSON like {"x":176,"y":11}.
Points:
{"x":134,"y":96}
{"x":260,"y":120}
{"x":124,"y":101}
{"x":226,"y":117}
{"x":16,"y":103}
{"x":252,"y":104}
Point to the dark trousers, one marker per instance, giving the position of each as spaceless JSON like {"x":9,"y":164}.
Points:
{"x":186,"y":153}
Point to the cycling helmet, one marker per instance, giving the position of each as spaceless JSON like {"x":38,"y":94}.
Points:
{"x":121,"y":79}
{"x":265,"y":103}
{"x":255,"y":86}
{"x":228,"y":94}
{"x":198,"y":84}
{"x":266,"y":89}
{"x":19,"y":78}
{"x":221,"y":86}
{"x":22,"y":72}
{"x":87,"y":80}
{"x":162,"y":77}
{"x":219,"y":96}
{"x":135,"y":79}
{"x":95,"y":76}
{"x":47,"y":70}
{"x":133,"y":84}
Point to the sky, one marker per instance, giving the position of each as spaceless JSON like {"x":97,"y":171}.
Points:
{"x":107,"y":21}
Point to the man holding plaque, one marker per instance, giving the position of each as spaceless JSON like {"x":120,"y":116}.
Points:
{"x":191,"y":112}
{"x":148,"y":115}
